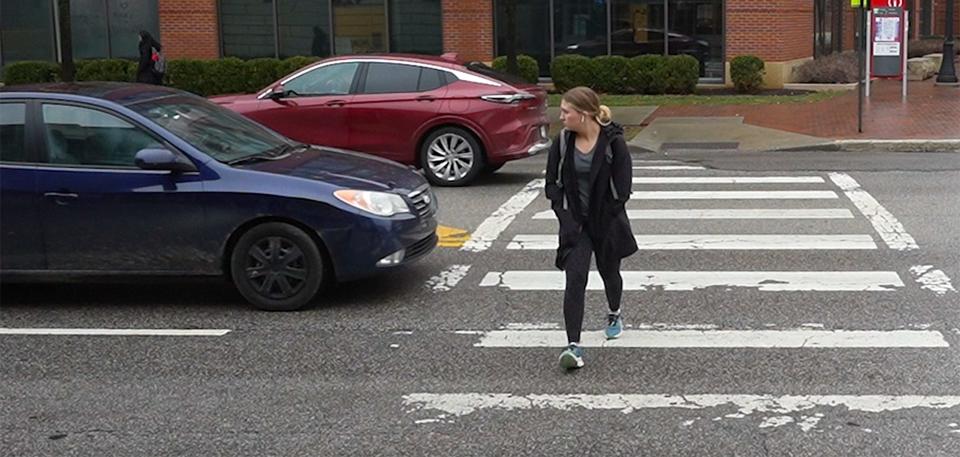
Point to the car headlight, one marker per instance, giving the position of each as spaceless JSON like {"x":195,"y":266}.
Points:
{"x":379,"y":203}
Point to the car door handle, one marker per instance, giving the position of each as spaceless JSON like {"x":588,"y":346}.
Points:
{"x":61,"y":198}
{"x":336,"y":103}
{"x":426,"y":98}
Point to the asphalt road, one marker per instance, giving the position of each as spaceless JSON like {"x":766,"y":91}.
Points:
{"x":408,"y":363}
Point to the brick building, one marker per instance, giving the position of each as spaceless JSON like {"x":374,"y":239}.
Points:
{"x":782,"y":32}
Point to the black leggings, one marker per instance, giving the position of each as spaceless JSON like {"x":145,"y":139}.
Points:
{"x":577,"y":268}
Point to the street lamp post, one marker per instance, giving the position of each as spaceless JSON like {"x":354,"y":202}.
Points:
{"x":948,"y":74}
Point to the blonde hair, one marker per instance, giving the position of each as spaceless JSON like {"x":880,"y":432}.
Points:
{"x":585,"y":100}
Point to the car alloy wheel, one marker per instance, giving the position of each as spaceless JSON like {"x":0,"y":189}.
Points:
{"x":451,"y":157}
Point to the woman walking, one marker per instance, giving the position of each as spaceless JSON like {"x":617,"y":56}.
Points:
{"x":150,"y":60}
{"x":589,"y":177}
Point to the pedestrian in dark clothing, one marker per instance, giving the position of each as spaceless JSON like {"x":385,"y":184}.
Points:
{"x":147,"y":68}
{"x":589,"y":178}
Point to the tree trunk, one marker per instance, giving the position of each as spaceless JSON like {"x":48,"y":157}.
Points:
{"x":67,"y":68}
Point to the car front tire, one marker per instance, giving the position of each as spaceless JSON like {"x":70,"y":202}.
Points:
{"x":277,"y":267}
{"x":451,"y":156}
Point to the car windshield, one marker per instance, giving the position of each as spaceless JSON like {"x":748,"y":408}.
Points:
{"x":220,"y":133}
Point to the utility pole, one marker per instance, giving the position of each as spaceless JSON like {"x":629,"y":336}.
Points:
{"x":67,"y":68}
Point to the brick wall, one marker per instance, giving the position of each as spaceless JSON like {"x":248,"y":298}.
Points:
{"x":468,"y":28}
{"x":189,"y":29}
{"x":774,"y":30}
{"x":940,"y":15}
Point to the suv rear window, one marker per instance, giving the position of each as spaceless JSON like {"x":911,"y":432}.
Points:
{"x":483,"y":69}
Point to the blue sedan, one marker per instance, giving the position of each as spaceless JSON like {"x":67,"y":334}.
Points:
{"x":127,"y":179}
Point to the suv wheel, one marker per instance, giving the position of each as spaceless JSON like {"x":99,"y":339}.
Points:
{"x":451,"y":156}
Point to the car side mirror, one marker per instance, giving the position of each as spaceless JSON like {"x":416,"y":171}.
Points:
{"x":163,"y":159}
{"x":277,"y":93}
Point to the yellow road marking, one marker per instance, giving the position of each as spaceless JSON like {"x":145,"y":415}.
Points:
{"x":451,"y":237}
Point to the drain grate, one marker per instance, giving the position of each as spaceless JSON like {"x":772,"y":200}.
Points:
{"x":703,"y":145}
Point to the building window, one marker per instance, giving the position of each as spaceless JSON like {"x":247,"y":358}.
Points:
{"x":26,"y":31}
{"x":110,"y":28}
{"x":827,"y":27}
{"x":636,"y":27}
{"x":531,"y":34}
{"x":415,"y":26}
{"x":285,"y":28}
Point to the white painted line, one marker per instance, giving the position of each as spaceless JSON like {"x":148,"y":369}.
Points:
{"x":718,"y":242}
{"x":736,"y":195}
{"x":669,"y":167}
{"x":824,"y":213}
{"x":491,"y":228}
{"x":774,"y":410}
{"x":762,"y":339}
{"x":935,"y":281}
{"x":448,"y":278}
{"x":886,"y":225}
{"x":727,"y":180}
{"x":767,"y":281}
{"x":112,"y":332}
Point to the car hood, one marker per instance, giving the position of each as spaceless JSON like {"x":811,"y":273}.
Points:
{"x":345,"y":169}
{"x":228,"y":99}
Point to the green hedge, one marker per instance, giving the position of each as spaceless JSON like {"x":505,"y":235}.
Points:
{"x":202,"y":77}
{"x":106,"y":70}
{"x":613,"y":75}
{"x":572,"y":70}
{"x":528,"y":66}
{"x":648,"y":74}
{"x":28,"y":72}
{"x":746,"y":73}
{"x":681,"y":74}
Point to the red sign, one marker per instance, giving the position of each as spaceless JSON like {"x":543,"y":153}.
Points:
{"x":888,"y":4}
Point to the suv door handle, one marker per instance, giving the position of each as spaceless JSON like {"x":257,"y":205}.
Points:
{"x":335,"y":103}
{"x":426,"y":98}
{"x":61,"y":198}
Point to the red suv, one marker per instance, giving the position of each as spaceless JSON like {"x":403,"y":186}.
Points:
{"x":452,"y":120}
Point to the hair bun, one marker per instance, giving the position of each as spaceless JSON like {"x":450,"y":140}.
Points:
{"x":604,"y":116}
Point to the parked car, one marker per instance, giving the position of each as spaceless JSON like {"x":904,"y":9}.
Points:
{"x":119,"y":179}
{"x":454,"y":121}
{"x":630,"y":42}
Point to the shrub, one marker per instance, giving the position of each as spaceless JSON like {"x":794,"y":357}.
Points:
{"x":528,"y":67}
{"x":647,"y":74}
{"x":681,"y":74}
{"x":613,"y":74}
{"x":29,"y":72}
{"x":188,"y":75}
{"x":569,"y":71}
{"x":746,"y":73}
{"x":260,"y":73}
{"x":106,"y":70}
{"x":834,"y":68}
{"x":292,"y":64}
{"x":225,"y":76}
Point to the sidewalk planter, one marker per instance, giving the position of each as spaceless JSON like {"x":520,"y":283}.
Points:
{"x":937,"y":59}
{"x":831,"y":69}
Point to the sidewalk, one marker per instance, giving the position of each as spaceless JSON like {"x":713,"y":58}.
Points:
{"x":927,"y":121}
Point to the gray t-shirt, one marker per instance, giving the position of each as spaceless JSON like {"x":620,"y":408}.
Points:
{"x":582,"y":164}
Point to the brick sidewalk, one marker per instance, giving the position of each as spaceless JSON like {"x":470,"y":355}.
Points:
{"x":931,"y":112}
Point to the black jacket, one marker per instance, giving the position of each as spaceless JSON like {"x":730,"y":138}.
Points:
{"x":611,"y":179}
{"x":145,"y":73}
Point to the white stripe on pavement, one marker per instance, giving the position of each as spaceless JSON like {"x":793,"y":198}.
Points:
{"x":669,"y":167}
{"x":727,"y":180}
{"x":823,"y":213}
{"x":933,"y":280}
{"x":491,"y":228}
{"x":736,"y":195}
{"x":717,"y":242}
{"x":113,"y":332}
{"x":889,"y":228}
{"x":775,"y":410}
{"x":770,"y":339}
{"x":859,"y":281}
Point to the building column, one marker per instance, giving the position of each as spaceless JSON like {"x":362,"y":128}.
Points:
{"x":189,"y":29}
{"x":778,"y":31}
{"x":468,"y":29}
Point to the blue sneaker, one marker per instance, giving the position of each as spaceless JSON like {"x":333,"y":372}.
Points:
{"x":614,"y":326}
{"x":571,"y":357}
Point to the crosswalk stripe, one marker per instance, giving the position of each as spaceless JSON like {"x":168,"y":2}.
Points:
{"x":821,"y":213}
{"x":764,"y":339}
{"x":767,"y":281}
{"x":727,"y":180}
{"x":113,"y":332}
{"x":776,"y":410}
{"x":669,"y":167}
{"x":716,"y":242}
{"x":886,"y":225}
{"x":736,"y":195}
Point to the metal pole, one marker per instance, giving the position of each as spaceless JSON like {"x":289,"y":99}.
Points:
{"x":906,"y":31}
{"x":869,"y":49}
{"x":861,"y":43}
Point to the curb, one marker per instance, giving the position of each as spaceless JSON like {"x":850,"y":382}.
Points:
{"x":928,"y":145}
